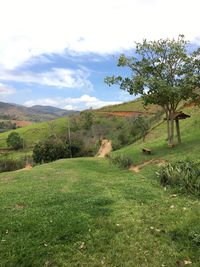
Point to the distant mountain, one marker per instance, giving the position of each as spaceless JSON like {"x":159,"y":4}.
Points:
{"x":51,"y":110}
{"x":36,"y":113}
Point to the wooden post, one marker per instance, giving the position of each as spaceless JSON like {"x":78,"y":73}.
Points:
{"x":178,"y":131}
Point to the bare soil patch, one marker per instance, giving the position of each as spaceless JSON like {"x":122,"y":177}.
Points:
{"x":137,"y":168}
{"x":26,"y":168}
{"x":105,"y":149}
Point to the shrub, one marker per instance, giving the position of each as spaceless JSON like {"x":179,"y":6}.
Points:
{"x":183,"y":175}
{"x":8,"y":164}
{"x":121,"y":161}
{"x":49,"y":151}
{"x":15,"y":141}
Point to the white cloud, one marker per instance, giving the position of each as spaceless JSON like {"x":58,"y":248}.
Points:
{"x":80,"y":103}
{"x":70,"y":107}
{"x":34,"y":27}
{"x":57,"y":77}
{"x":6,"y":91}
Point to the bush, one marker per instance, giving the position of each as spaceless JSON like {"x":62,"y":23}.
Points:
{"x":49,"y":151}
{"x":8,"y":164}
{"x":183,"y":175}
{"x":15,"y":141}
{"x":121,"y":161}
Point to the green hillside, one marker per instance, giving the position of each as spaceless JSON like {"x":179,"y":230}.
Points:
{"x":87,"y":212}
{"x":38,"y":131}
{"x":135,"y":105}
{"x":156,"y":141}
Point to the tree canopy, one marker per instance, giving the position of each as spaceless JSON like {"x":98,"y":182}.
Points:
{"x":163,"y":72}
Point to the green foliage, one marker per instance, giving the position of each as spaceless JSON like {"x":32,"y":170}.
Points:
{"x":163,"y":73}
{"x":121,"y":161}
{"x":163,"y":67}
{"x":140,"y":126}
{"x":10,"y":163}
{"x":184,"y":175}
{"x":7,"y":125}
{"x":14,"y":140}
{"x":7,"y":165}
{"x":49,"y":151}
{"x":87,"y":118}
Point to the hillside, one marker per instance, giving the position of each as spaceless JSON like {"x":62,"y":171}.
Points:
{"x":38,"y":131}
{"x":106,"y":123}
{"x":87,"y":212}
{"x":35,"y":113}
{"x":156,"y":141}
{"x":51,"y":110}
{"x":135,"y":105}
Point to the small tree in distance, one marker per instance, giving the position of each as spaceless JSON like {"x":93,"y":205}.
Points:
{"x":163,"y":73}
{"x":15,"y":141}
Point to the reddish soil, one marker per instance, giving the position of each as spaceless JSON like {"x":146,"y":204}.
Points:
{"x":189,"y":105}
{"x":21,"y":123}
{"x":26,"y":168}
{"x":125,"y":113}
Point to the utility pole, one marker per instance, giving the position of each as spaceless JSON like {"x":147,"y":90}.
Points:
{"x":69,"y":138}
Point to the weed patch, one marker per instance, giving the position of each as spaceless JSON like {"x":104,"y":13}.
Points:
{"x":184,"y":175}
{"x":121,"y":161}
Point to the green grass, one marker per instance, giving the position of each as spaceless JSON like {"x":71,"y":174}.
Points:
{"x":85,"y":212}
{"x":156,"y":141}
{"x":38,"y":131}
{"x":135,"y":105}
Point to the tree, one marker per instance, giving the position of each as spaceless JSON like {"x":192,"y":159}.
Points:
{"x":15,"y":141}
{"x":50,"y":150}
{"x":163,"y":72}
{"x":87,"y":118}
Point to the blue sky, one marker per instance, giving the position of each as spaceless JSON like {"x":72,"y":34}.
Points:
{"x":57,"y":52}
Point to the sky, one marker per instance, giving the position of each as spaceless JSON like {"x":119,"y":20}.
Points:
{"x":57,"y":52}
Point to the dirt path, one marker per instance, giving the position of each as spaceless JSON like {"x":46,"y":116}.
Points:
{"x":105,"y":149}
{"x":26,"y":168}
{"x":136,"y":168}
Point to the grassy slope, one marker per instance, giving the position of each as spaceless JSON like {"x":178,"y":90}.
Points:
{"x":124,"y":219}
{"x":156,"y":141}
{"x":135,"y":105}
{"x":38,"y":131}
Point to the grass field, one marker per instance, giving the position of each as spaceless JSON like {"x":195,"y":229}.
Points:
{"x":38,"y":131}
{"x":135,"y":105}
{"x":87,"y":212}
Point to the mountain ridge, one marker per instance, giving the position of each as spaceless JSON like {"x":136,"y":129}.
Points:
{"x":35,"y":113}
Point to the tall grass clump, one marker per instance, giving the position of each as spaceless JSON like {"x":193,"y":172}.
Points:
{"x":121,"y":161}
{"x":184,"y":175}
{"x":11,"y":164}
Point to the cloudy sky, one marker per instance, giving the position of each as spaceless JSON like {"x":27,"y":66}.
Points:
{"x":57,"y":52}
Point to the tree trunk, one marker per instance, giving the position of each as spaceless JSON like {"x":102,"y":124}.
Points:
{"x":171,"y":130}
{"x":168,"y":126}
{"x":168,"y":131}
{"x":178,"y":131}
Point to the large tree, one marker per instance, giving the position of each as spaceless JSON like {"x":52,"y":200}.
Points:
{"x":163,"y":72}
